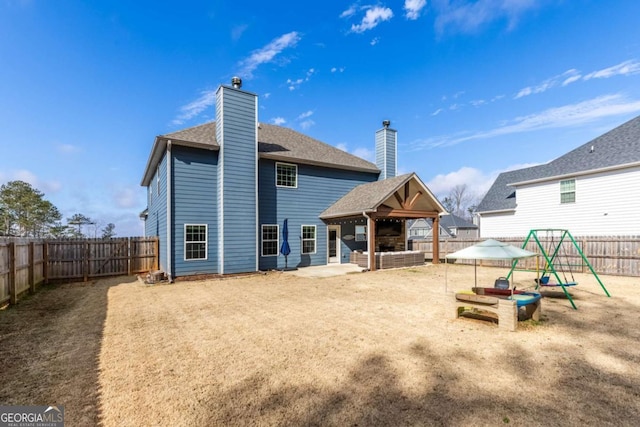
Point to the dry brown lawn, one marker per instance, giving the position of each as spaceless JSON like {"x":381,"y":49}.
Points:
{"x":361,"y":349}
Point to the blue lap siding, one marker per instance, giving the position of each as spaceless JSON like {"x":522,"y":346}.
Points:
{"x":194,"y":202}
{"x":317,"y":189}
{"x":156,"y":223}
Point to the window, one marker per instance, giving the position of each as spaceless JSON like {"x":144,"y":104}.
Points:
{"x":361,"y":233}
{"x":308,"y":239}
{"x":158,"y":180}
{"x":195,"y":242}
{"x":568,"y":191}
{"x":270,"y":240}
{"x":286,"y":175}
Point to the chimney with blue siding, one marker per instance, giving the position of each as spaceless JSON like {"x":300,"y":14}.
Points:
{"x":236,"y":133}
{"x":387,"y":151}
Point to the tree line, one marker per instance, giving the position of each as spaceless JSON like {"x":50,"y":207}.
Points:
{"x":24,"y":212}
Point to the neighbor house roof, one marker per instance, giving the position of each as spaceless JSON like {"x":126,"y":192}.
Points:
{"x":454,"y":221}
{"x":616,"y":149}
{"x":274,"y":142}
{"x":368,"y":197}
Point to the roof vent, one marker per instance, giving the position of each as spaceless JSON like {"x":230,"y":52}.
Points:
{"x":236,"y":82}
{"x":592,"y":149}
{"x":386,"y":123}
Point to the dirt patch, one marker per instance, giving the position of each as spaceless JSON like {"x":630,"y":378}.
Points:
{"x":376,"y":348}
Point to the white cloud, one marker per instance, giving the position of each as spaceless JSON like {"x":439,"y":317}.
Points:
{"x":279,"y":121}
{"x":469,"y":17}
{"x":192,"y":109}
{"x":477,"y":102}
{"x":67,"y":148}
{"x":374,"y":41}
{"x":571,"y":79}
{"x":268,"y":53}
{"x":372,"y":18}
{"x":349,"y":12}
{"x":364,"y":153}
{"x":126,"y":197}
{"x":559,"y":117}
{"x":305,"y":115}
{"x":477,"y":182}
{"x":565,"y":78}
{"x":294,"y":84}
{"x":237,"y":31}
{"x":624,"y":68}
{"x":51,"y":186}
{"x":306,"y":124}
{"x":413,"y":8}
{"x":438,"y":111}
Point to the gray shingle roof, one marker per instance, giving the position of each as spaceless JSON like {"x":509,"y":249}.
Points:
{"x":367,"y":197}
{"x":454,"y":221}
{"x":617,"y":147}
{"x":281,"y":143}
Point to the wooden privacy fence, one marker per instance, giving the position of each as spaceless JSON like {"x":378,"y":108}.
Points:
{"x":24,"y":264}
{"x":615,"y":255}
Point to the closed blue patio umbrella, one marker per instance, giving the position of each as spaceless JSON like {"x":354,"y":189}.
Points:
{"x":284,"y":248}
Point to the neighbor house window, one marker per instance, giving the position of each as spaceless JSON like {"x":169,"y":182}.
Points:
{"x":270,"y":240}
{"x":308,"y":239}
{"x":286,"y":175}
{"x":568,"y":191}
{"x":195,"y":241}
{"x":361,"y":233}
{"x":158,"y":180}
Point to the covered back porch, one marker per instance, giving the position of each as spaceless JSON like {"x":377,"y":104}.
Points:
{"x":378,"y":212}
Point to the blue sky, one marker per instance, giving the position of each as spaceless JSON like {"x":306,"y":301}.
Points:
{"x":473,"y":87}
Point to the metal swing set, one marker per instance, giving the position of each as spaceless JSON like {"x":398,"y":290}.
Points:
{"x":557,"y":240}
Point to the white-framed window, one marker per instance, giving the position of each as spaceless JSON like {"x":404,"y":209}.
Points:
{"x":568,"y":191}
{"x":308,"y":239}
{"x":361,"y":233}
{"x":270,"y":239}
{"x":158,"y":180}
{"x":195,"y":241}
{"x":286,"y":175}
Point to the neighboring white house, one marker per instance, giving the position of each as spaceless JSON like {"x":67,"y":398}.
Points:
{"x":593,"y":190}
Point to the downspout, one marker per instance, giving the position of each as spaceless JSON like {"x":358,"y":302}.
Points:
{"x":169,"y":224}
{"x":368,"y":237}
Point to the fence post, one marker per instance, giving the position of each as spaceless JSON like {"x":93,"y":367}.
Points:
{"x":45,"y":260}
{"x":156,"y":251}
{"x":584,"y":249}
{"x":85,"y":261}
{"x":13,"y":291}
{"x":129,"y":255}
{"x":32,"y":267}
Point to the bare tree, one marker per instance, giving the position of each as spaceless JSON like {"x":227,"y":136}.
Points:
{"x":461,"y":198}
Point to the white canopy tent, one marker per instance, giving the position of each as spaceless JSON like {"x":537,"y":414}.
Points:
{"x":488,"y":250}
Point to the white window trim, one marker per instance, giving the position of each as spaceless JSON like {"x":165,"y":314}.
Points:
{"x":359,"y":234}
{"x":568,"y":192}
{"x":286,"y":164}
{"x":315,"y":239}
{"x":262,"y":239}
{"x":206,"y":242}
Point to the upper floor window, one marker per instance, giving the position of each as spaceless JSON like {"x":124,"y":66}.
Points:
{"x":568,"y":191}
{"x":286,"y":175}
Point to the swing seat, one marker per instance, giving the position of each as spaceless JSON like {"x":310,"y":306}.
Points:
{"x":543,"y":282}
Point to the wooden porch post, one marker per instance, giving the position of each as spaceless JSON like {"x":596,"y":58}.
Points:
{"x":372,"y":244}
{"x":436,"y":240}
